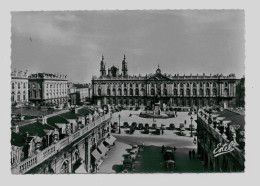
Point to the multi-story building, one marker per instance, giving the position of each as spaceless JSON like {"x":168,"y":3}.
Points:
{"x":79,"y":93}
{"x":62,"y":143}
{"x":221,"y":140}
{"x":115,"y":88}
{"x":19,"y":83}
{"x":48,"y":88}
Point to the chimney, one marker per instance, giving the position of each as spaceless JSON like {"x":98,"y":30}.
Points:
{"x":44,"y":120}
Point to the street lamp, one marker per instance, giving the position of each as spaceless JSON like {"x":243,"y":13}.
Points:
{"x":191,"y":118}
{"x":119,"y":132}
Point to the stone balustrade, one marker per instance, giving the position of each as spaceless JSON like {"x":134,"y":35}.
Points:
{"x":203,"y":120}
{"x":35,"y":160}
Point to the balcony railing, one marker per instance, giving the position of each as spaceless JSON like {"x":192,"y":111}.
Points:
{"x":35,"y":160}
{"x":237,"y":153}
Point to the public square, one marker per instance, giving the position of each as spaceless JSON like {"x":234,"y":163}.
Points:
{"x":150,"y":158}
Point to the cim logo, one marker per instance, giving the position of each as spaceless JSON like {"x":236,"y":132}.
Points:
{"x":223,"y":148}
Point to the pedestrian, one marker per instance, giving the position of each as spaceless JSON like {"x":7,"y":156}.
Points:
{"x":174,"y":148}
{"x":193,"y":154}
{"x":163,"y":149}
{"x":162,"y":131}
{"x":143,"y":145}
{"x":185,"y":122}
{"x":189,"y":154}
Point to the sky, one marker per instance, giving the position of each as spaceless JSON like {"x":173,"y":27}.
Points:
{"x":180,"y":41}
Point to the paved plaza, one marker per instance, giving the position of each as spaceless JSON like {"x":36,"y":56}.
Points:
{"x":150,"y":159}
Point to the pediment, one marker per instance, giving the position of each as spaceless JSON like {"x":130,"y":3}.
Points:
{"x":158,"y":77}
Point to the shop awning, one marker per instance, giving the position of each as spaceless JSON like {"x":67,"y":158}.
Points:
{"x":96,"y":154}
{"x":110,"y":140}
{"x":103,"y":149}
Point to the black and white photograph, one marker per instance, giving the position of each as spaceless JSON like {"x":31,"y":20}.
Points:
{"x":127,"y":91}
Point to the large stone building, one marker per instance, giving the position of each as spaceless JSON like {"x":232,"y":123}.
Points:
{"x":221,"y":128}
{"x":60,"y":143}
{"x":115,"y":88}
{"x":48,"y":88}
{"x":79,"y":93}
{"x":19,"y":84}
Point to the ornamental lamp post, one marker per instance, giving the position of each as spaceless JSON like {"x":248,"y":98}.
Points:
{"x":191,"y":118}
{"x":119,"y":132}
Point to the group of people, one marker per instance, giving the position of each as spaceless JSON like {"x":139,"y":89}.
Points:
{"x":192,"y":154}
{"x":163,"y":149}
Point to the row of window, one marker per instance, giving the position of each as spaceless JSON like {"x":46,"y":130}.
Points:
{"x":19,"y":85}
{"x":175,"y":92}
{"x":175,"y":84}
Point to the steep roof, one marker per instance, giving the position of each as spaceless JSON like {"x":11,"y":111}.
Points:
{"x":56,"y":119}
{"x":85,"y":111}
{"x":234,"y":117}
{"x":70,"y":115}
{"x":35,"y":129}
{"x":17,"y":139}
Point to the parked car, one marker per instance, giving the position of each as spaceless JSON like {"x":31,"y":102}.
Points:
{"x":115,"y":125}
{"x":132,"y":130}
{"x":182,"y":126}
{"x":192,"y":127}
{"x":172,"y":126}
{"x":182,"y":132}
{"x":157,"y":131}
{"x":170,"y":165}
{"x":168,"y":155}
{"x":146,"y":130}
{"x":146,"y":125}
{"x":126,"y":124}
{"x":190,"y":113}
{"x":134,"y":125}
{"x":154,"y":126}
{"x":140,"y":126}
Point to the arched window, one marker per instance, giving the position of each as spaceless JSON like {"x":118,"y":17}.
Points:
{"x":131,"y":92}
{"x":175,"y":92}
{"x":159,"y":91}
{"x":142,"y":92}
{"x":226,"y":84}
{"x":194,"y":85}
{"x":108,"y":92}
{"x":119,"y":92}
{"x":181,"y":85}
{"x":18,"y":85}
{"x":18,"y":96}
{"x":125,"y":92}
{"x":181,"y":92}
{"x":214,"y":85}
{"x":124,"y":85}
{"x":201,"y":85}
{"x":131,"y":85}
{"x":24,"y":95}
{"x":207,"y":84}
{"x":114,"y":92}
{"x":207,"y":92}
{"x":201,"y":92}
{"x":99,"y":92}
{"x":225,"y":92}
{"x":152,"y":85}
{"x":164,"y":85}
{"x":12,"y":85}
{"x":174,"y":84}
{"x":136,"y":92}
{"x":194,"y":92}
{"x":214,"y":91}
{"x":152,"y":92}
{"x":188,"y":85}
{"x":12,"y":97}
{"x":188,"y":92}
{"x":165,"y":92}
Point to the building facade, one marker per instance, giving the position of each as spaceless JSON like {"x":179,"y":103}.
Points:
{"x":48,"y":88}
{"x":19,"y":86}
{"x":221,"y":128}
{"x":115,"y":88}
{"x":62,"y":143}
{"x":79,"y":93}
